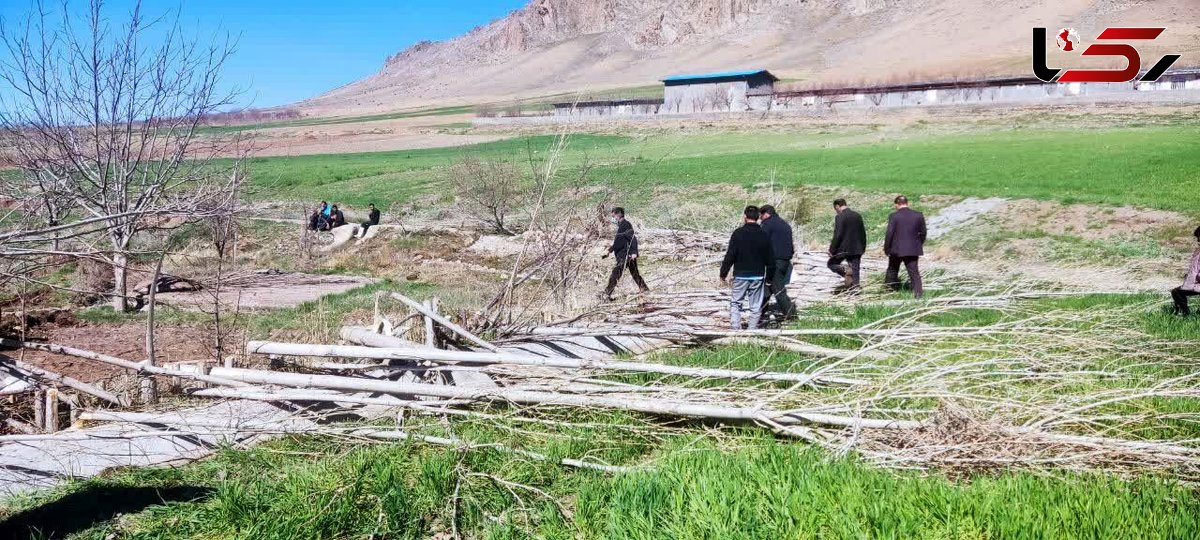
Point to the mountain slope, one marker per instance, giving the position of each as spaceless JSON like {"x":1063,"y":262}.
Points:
{"x":553,"y":46}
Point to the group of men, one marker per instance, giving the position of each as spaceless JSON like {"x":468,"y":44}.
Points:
{"x":328,"y":217}
{"x":760,"y":254}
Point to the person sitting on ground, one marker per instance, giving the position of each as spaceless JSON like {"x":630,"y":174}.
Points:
{"x":625,"y":248}
{"x":848,"y":245}
{"x":336,"y":218}
{"x":1191,"y":282}
{"x":372,"y":219}
{"x":318,"y":217}
{"x":748,"y":254}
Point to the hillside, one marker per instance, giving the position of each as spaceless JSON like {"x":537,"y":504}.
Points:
{"x":553,"y":46}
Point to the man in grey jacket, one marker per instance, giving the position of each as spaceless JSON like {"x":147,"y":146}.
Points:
{"x":905,"y":244}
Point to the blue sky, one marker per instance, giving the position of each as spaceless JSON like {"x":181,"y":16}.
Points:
{"x":290,"y":50}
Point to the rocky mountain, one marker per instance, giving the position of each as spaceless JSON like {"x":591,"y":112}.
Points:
{"x":560,"y":46}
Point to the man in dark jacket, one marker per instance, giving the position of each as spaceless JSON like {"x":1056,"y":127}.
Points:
{"x":905,"y":243}
{"x":625,"y":248}
{"x":779,"y":271}
{"x":848,"y":244}
{"x":372,"y":219}
{"x":748,"y":254}
{"x":336,"y":218}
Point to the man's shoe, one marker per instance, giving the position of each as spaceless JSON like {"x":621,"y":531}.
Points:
{"x":848,"y":276}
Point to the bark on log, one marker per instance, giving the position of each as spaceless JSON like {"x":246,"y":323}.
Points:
{"x":637,"y":404}
{"x":349,"y":351}
{"x":18,"y":367}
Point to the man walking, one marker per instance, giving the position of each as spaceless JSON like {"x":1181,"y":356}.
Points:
{"x":625,"y":248}
{"x":748,"y":254}
{"x":904,"y":243}
{"x":779,"y":269}
{"x":848,"y":244}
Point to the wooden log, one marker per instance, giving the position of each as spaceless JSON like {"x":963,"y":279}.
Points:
{"x":637,"y":404}
{"x":138,"y":367}
{"x":430,"y":336}
{"x":52,"y":420}
{"x":365,"y":337}
{"x":39,"y":409}
{"x":18,"y":366}
{"x":261,"y":394}
{"x":22,"y":427}
{"x":346,"y":351}
{"x":445,"y":322}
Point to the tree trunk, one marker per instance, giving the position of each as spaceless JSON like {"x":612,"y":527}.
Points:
{"x":120,"y":266}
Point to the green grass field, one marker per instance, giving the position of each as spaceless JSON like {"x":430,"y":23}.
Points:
{"x":1155,"y":167}
{"x":301,"y":488}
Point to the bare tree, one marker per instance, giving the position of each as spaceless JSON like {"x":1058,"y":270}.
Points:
{"x":101,"y":119}
{"x":488,"y":190}
{"x":719,"y":97}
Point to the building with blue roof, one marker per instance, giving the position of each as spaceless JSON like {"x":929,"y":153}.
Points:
{"x":743,"y":90}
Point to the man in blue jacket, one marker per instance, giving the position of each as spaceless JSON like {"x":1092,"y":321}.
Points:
{"x":748,"y":255}
{"x":779,"y":270}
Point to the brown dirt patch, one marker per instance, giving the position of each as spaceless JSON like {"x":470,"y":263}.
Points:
{"x":268,"y":290}
{"x":121,"y":340}
{"x":1088,"y":222}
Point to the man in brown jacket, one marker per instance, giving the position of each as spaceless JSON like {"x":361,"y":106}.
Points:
{"x":904,"y":243}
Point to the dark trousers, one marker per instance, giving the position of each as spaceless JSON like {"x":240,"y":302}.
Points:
{"x":855,"y":261}
{"x":892,"y":279}
{"x":622,"y":264}
{"x":779,"y":276}
{"x":366,"y":225}
{"x":1180,"y":296}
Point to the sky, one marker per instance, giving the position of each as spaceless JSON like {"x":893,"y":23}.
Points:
{"x":291,"y":50}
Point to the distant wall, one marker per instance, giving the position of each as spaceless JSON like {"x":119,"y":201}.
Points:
{"x":706,"y":97}
{"x":842,"y":105}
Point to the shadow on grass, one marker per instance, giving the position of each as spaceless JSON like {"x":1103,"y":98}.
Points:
{"x":84,"y":509}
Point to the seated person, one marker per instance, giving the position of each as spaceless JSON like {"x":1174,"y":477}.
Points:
{"x":336,"y":218}
{"x":318,"y":216}
{"x":1191,"y":282}
{"x":372,"y":219}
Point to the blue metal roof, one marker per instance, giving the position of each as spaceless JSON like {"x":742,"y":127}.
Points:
{"x":719,"y":75}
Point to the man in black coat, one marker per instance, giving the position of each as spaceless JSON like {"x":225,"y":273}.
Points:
{"x":372,"y":219}
{"x":625,"y":248}
{"x":848,"y":244}
{"x":748,"y":255}
{"x":779,"y":271}
{"x":336,"y":218}
{"x":905,"y":243}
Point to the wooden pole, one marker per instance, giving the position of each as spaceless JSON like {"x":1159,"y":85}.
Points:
{"x":51,"y":410}
{"x":437,"y":355}
{"x":17,"y":366}
{"x":630,"y":403}
{"x":445,"y":322}
{"x":39,"y":409}
{"x":119,"y":362}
